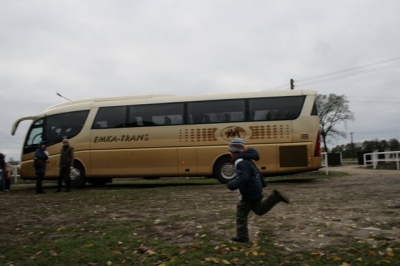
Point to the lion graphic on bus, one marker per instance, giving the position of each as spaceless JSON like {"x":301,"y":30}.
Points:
{"x":233,"y":132}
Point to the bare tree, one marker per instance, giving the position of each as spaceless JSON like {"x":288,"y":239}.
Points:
{"x":333,"y":110}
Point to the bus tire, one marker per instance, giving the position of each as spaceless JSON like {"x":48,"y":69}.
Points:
{"x":78,"y":178}
{"x":224,"y":170}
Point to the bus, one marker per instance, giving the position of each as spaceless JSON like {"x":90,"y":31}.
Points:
{"x":153,"y":136}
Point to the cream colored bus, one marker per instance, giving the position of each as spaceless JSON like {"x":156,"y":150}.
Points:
{"x":155,"y":136}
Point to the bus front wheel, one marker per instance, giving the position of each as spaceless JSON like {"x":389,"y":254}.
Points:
{"x":224,"y":170}
{"x":77,"y":176}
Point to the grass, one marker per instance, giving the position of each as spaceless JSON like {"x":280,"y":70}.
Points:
{"x":153,"y":222}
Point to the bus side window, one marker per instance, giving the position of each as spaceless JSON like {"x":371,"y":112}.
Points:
{"x":269,"y":116}
{"x":227,"y":117}
{"x":167,"y":120}
{"x":97,"y":126}
{"x":206,"y":119}
{"x":133,"y":122}
{"x":196,"y":119}
{"x":148,"y":121}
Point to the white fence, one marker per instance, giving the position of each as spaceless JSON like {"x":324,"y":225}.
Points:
{"x":390,"y":156}
{"x":14,"y":173}
{"x":324,"y":162}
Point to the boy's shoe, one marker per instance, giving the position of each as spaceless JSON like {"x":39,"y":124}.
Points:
{"x":240,"y":239}
{"x":281,"y":196}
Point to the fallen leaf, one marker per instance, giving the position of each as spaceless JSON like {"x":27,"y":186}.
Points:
{"x":150,"y":253}
{"x":235,"y":261}
{"x":372,"y":252}
{"x":216,"y":260}
{"x":182,"y":251}
{"x":116,"y":252}
{"x":61,"y":228}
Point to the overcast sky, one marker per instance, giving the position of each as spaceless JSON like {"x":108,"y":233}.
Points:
{"x":92,"y":49}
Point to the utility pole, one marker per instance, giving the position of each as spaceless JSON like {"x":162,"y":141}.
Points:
{"x":291,"y":84}
{"x":352,"y":145}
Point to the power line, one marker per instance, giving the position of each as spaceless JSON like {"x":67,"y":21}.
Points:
{"x":373,"y":101}
{"x":13,"y":140}
{"x":373,"y":97}
{"x":346,"y":73}
{"x":352,"y":69}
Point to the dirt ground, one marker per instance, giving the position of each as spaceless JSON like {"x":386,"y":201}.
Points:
{"x":364,"y":206}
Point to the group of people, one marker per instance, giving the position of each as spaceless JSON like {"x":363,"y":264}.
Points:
{"x":5,"y":170}
{"x":65,"y":165}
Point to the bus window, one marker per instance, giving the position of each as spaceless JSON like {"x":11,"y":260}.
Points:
{"x":216,"y":111}
{"x":54,"y":128}
{"x":34,"y":136}
{"x":276,"y":108}
{"x":110,"y":117}
{"x":314,"y":110}
{"x":157,"y":114}
{"x":66,"y":125}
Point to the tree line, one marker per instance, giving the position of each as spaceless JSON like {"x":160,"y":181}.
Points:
{"x":351,"y":150}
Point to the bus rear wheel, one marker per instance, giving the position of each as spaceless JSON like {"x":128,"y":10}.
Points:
{"x":78,"y":178}
{"x":224,"y":170}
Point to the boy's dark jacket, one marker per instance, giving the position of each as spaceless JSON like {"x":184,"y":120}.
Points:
{"x":249,"y":180}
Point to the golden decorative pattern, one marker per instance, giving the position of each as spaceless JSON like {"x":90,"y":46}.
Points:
{"x":197,"y":135}
{"x":270,"y":132}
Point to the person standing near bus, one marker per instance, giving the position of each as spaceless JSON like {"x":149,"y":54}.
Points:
{"x":7,"y":176}
{"x":39,"y":164}
{"x":250,"y":183}
{"x":2,"y":172}
{"x":65,"y":166}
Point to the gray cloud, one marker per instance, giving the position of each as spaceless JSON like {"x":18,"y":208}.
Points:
{"x":114,"y":48}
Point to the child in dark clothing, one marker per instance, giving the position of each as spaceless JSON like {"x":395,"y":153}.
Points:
{"x":250,"y":183}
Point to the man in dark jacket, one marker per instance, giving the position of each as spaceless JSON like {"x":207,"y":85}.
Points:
{"x":250,"y":183}
{"x":40,"y":160}
{"x":2,"y":172}
{"x":66,"y":164}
